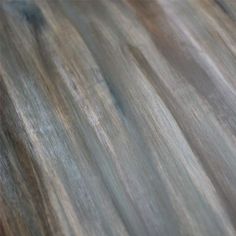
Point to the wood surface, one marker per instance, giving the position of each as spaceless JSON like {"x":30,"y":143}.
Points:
{"x":117,"y":118}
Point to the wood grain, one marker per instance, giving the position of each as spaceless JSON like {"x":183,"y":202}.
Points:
{"x":117,"y":117}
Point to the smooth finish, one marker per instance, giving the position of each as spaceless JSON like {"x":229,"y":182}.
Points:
{"x":118,"y":118}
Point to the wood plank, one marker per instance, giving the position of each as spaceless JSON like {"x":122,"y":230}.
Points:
{"x":117,"y":117}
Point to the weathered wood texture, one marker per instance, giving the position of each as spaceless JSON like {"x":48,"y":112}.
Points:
{"x":118,"y":117}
